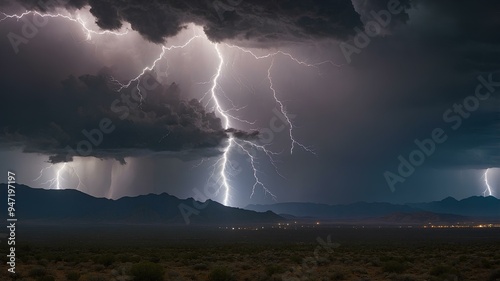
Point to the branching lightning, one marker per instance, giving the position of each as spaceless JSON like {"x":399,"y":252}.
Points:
{"x":88,"y":32}
{"x":225,"y":161}
{"x":59,"y":181}
{"x":164,"y":50}
{"x":283,"y":111}
{"x":272,"y":55}
{"x":223,"y":164}
{"x":282,"y":107}
{"x":488,"y":187}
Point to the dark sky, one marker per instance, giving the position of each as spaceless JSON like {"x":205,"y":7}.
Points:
{"x":407,"y":113}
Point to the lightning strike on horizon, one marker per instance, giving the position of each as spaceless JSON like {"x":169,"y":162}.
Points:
{"x":58,"y":176}
{"x":224,"y":165}
{"x":58,"y":181}
{"x":488,"y":187}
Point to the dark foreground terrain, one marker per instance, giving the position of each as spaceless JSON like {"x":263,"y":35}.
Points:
{"x":313,"y":252}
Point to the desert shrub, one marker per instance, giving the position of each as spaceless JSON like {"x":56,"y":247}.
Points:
{"x":54,"y":257}
{"x":43,"y":262}
{"x":72,"y":275}
{"x":71,"y":258}
{"x":154,"y":259}
{"x":221,"y":274}
{"x":147,"y":271}
{"x":173,"y":274}
{"x":441,"y":270}
{"x":495,"y":275}
{"x":105,"y":260}
{"x":386,"y":258}
{"x":485,"y":263}
{"x":274,"y":269}
{"x":124,"y":258}
{"x":98,"y":267}
{"x":96,"y":277}
{"x":46,"y":278}
{"x":37,"y":272}
{"x":245,"y":266}
{"x":200,"y":266}
{"x":403,"y":278}
{"x":394,"y":266}
{"x":296,"y":259}
{"x":337,"y":275}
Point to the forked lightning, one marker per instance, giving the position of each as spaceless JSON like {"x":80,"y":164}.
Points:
{"x":223,"y":164}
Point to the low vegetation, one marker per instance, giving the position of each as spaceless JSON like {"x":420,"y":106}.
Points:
{"x":357,"y":258}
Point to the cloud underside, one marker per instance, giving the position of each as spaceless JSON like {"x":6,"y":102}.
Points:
{"x":91,"y":118}
{"x":258,"y":21}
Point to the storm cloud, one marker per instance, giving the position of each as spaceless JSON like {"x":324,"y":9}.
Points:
{"x":91,"y":117}
{"x":255,"y":22}
{"x":358,"y":117}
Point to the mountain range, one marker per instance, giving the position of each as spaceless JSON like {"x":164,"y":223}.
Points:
{"x":450,"y":209}
{"x":50,"y":206}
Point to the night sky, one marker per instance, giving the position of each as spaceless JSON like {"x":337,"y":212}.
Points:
{"x":393,"y":101}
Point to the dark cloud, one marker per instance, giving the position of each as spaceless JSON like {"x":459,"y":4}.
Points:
{"x":471,"y":20}
{"x":263,"y":21}
{"x":89,"y":117}
{"x":466,"y":31}
{"x":239,"y":134}
{"x":367,"y":8}
{"x":359,"y":119}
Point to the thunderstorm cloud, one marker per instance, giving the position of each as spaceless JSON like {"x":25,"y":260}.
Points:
{"x":399,"y":85}
{"x":89,"y":117}
{"x":260,"y":22}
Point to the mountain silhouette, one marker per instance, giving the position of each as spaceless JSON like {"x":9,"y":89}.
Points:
{"x":472,"y":207}
{"x":475,"y":206}
{"x":41,"y":205}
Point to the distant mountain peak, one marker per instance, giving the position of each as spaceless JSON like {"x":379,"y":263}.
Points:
{"x":472,"y":207}
{"x":449,"y":199}
{"x":42,"y":205}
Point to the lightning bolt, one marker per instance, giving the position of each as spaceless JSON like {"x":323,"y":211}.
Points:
{"x":223,"y":164}
{"x":290,"y":56}
{"x":58,"y":181}
{"x":281,"y":105}
{"x":488,"y":187}
{"x":88,"y":32}
{"x":283,"y":111}
{"x":58,"y":176}
{"x":164,"y":50}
